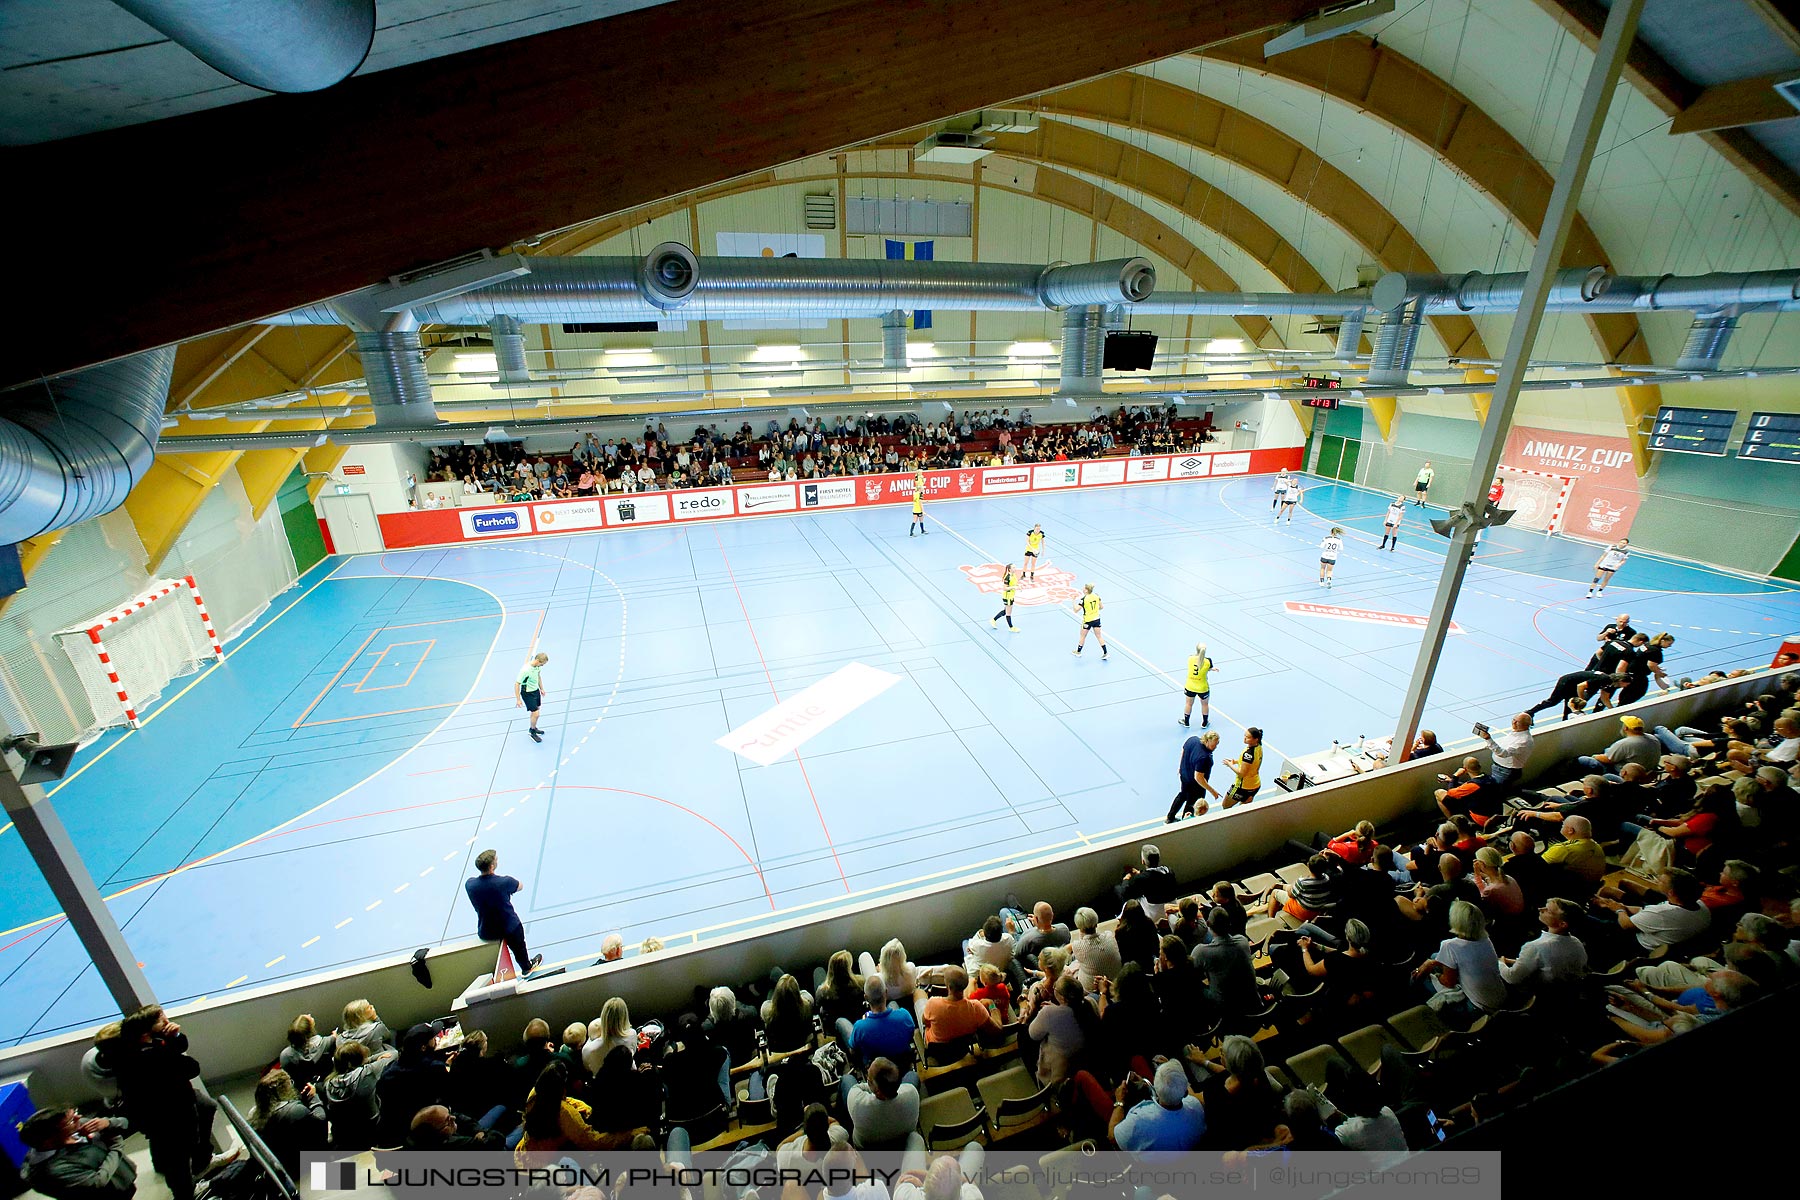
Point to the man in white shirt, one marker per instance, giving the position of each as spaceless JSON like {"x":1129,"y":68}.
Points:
{"x":1787,"y":751}
{"x":1511,"y":749}
{"x":1554,"y":957}
{"x":1673,"y":921}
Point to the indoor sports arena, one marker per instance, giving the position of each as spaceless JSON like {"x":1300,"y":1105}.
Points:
{"x":604,"y":527}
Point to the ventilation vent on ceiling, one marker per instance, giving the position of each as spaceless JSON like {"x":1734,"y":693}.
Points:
{"x":952,"y":147}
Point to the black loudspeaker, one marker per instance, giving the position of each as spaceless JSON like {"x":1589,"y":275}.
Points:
{"x":1129,"y":350}
{"x":42,"y":763}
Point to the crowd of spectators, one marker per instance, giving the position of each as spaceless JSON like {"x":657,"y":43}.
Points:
{"x":1529,"y":935}
{"x":811,"y":449}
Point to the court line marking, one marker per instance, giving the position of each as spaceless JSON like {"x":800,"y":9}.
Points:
{"x":1147,"y":664}
{"x":376,"y":774}
{"x":424,"y":654}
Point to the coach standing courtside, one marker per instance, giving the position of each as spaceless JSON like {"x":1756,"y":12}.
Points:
{"x":495,"y":918}
{"x":529,"y":690}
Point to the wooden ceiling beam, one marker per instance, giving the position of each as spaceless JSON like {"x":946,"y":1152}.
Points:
{"x":404,"y":168}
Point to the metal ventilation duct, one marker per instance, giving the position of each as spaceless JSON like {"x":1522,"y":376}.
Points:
{"x":509,"y":350}
{"x":1592,"y":290}
{"x":1706,"y":342}
{"x":893,"y":341}
{"x":1349,"y":337}
{"x":1083,"y":348}
{"x":1395,"y":340}
{"x":73,"y":448}
{"x":275,"y":45}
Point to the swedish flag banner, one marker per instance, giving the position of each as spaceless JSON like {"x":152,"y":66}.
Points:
{"x":917,"y":252}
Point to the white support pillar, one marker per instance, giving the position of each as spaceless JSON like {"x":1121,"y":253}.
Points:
{"x":1578,"y":155}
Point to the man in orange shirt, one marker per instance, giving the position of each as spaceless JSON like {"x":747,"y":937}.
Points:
{"x":949,"y":1018}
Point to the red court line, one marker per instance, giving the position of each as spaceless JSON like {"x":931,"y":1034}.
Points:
{"x":757,"y":646}
{"x":436,"y":771}
{"x":48,"y":925}
{"x":1540,"y":629}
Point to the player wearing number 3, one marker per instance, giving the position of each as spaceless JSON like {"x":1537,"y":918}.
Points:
{"x":1034,"y":541}
{"x":1612,"y":560}
{"x":1009,"y":591}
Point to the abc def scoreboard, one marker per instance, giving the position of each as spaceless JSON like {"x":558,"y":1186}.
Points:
{"x":1693,"y":430}
{"x":1772,"y":437}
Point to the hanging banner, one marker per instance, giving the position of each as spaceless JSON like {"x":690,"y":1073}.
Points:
{"x":1605,"y":497}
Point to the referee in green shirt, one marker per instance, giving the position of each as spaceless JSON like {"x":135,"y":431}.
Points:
{"x":529,"y":691}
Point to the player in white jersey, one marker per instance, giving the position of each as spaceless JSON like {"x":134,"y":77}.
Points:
{"x":1281,"y":487}
{"x":1390,"y":524}
{"x":1329,"y":549}
{"x":1612,"y":560}
{"x":1290,"y":499}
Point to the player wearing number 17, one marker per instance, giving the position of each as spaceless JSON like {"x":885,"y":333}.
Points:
{"x":1009,"y":591}
{"x":1612,"y":560}
{"x":1089,"y":607}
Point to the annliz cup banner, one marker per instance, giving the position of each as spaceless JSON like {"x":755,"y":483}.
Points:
{"x":625,"y":510}
{"x":1605,"y":497}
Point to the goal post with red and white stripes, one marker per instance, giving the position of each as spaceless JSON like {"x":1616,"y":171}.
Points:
{"x":126,"y":657}
{"x":1539,"y":499}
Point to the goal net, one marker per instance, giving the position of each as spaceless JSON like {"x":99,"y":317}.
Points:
{"x":1538,"y":499}
{"x":126,"y":657}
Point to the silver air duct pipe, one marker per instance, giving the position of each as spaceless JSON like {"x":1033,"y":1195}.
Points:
{"x":392,"y":358}
{"x":275,"y":45}
{"x":1706,"y":342}
{"x":509,"y":350}
{"x":1349,"y":337}
{"x":1250,"y":304}
{"x":670,"y":278}
{"x":73,"y":449}
{"x":1083,"y":345}
{"x":1124,"y":279}
{"x":1591,"y":290}
{"x":1395,"y":340}
{"x":893,"y":341}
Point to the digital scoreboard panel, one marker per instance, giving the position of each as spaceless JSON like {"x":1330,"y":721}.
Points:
{"x":1693,"y":430}
{"x":1772,"y":437}
{"x":1320,"y":382}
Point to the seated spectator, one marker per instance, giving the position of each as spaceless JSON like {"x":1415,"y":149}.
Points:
{"x":1226,"y":961}
{"x":555,"y":1123}
{"x":1368,"y":1125}
{"x":1430,"y":906}
{"x":611,"y":1028}
{"x":817,"y":1136}
{"x":1137,"y":938}
{"x":1181,"y":990}
{"x":1150,"y":883}
{"x":695,"y":1071}
{"x":988,"y":945}
{"x":1634,"y":745}
{"x":1133,"y":1030}
{"x":1603,"y":807}
{"x":1242,"y":1106}
{"x":71,"y":1157}
{"x":350,"y":1101}
{"x":1713,"y":819}
{"x":623,"y":1099}
{"x":897,"y":974}
{"x":288,"y":1121}
{"x":1465,"y":970}
{"x":1421,"y":861}
{"x":885,"y":1030}
{"x":417,"y":1079}
{"x":732,"y":1025}
{"x":1579,"y":858}
{"x":1171,"y":1120}
{"x":1313,"y":896}
{"x":955,"y":1017}
{"x":839,"y":996}
{"x":437,"y":1128}
{"x":480,"y":1087}
{"x":1468,"y":792}
{"x":1524,"y":864}
{"x":362,"y":1025}
{"x":1555,"y":958}
{"x":307,"y":1056}
{"x":1678,"y":918}
{"x":1187,"y":924}
{"x":574,"y":1037}
{"x":787,"y":1016}
{"x":1724,"y":990}
{"x":1392,"y":866}
{"x":884,"y":1110}
{"x":1734,"y":891}
{"x":1351,"y":975}
{"x":1092,"y":955}
{"x":535,"y":1052}
{"x":1425,"y":746}
{"x":1356,"y":847}
{"x":1224,"y":895}
{"x":1673,"y":787}
{"x":1063,"y":1030}
{"x":992,"y":989}
{"x":1043,"y":930}
{"x":1501,"y":895}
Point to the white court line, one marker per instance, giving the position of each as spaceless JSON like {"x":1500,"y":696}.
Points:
{"x":1269,"y":747}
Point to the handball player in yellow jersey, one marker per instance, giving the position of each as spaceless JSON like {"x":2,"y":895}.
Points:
{"x":1009,"y":591}
{"x":1034,"y":541}
{"x":1199,"y":685}
{"x":918,"y":521}
{"x":1248,"y":769}
{"x":1089,"y":607}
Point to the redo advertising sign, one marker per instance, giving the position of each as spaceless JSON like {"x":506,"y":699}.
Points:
{"x":490,"y":522}
{"x":719,"y":503}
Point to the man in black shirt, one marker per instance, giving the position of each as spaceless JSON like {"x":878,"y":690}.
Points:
{"x":495,"y":919}
{"x":1578,"y":687}
{"x":156,"y":1077}
{"x":1151,"y":884}
{"x":1619,"y":631}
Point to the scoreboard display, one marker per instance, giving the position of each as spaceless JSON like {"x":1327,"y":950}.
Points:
{"x":1693,"y":430}
{"x":1320,"y":382}
{"x":1773,"y":437}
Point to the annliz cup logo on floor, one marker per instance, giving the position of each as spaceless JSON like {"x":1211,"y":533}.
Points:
{"x":753,"y":1168}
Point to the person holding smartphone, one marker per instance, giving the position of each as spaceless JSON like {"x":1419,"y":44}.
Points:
{"x":1511,"y":750}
